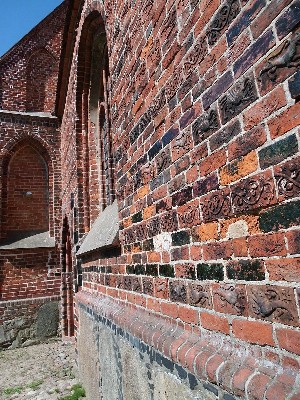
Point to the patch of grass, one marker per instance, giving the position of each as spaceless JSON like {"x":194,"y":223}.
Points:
{"x":12,"y":390}
{"x":78,"y":392}
{"x":35,"y":385}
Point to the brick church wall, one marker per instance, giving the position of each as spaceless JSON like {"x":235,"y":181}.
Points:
{"x":205,"y":131}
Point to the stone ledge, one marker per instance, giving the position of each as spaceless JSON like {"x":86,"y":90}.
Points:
{"x":236,"y":367}
{"x":31,"y":300}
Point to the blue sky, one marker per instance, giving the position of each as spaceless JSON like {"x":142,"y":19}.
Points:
{"x":18,"y":17}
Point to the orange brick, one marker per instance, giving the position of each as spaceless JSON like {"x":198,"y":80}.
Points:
{"x":143,"y":191}
{"x":153,"y":256}
{"x":239,"y":168}
{"x":251,"y":221}
{"x":267,"y":245}
{"x":205,"y":232}
{"x":149,"y":212}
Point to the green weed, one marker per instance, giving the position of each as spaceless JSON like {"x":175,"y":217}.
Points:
{"x":35,"y":385}
{"x":78,"y":392}
{"x":13,"y":390}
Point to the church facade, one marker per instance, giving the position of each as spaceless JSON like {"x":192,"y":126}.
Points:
{"x":149,"y":157}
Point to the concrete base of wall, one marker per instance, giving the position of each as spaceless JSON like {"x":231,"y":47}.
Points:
{"x":29,"y":321}
{"x":127,"y":353}
{"x":115,"y":365}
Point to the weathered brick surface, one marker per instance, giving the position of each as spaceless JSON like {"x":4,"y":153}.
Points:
{"x":204,"y":123}
{"x":205,"y":137}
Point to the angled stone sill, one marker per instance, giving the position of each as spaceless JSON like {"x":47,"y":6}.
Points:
{"x":104,"y":233}
{"x":39,"y":114}
{"x":28,"y":240}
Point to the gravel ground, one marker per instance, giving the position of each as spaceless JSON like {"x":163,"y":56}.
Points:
{"x":42,"y":372}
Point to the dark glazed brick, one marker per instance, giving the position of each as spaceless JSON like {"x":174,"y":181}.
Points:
{"x":169,"y":136}
{"x":210,"y":271}
{"x":254,"y":53}
{"x":187,"y":118}
{"x":205,"y":185}
{"x":280,"y":217}
{"x":294,"y":86}
{"x":139,"y":270}
{"x":211,"y":388}
{"x":217,"y":89}
{"x":278,"y":152}
{"x":228,"y":397}
{"x":166,"y":270}
{"x":167,"y":363}
{"x":152,"y":269}
{"x":193,"y":382}
{"x":289,"y":20}
{"x":129,"y":269}
{"x":181,"y":372}
{"x":180,"y":238}
{"x":138,"y":217}
{"x":182,"y":197}
{"x":247,"y":270}
{"x":148,"y":245}
{"x":155,"y":149}
{"x":241,"y":23}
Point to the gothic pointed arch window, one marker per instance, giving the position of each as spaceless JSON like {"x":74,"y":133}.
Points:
{"x":94,"y":137}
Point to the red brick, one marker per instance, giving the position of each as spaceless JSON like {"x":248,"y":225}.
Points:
{"x":293,"y":238}
{"x":212,"y":366}
{"x":278,"y":391}
{"x":213,"y":162}
{"x":271,"y":103}
{"x":289,"y":339}
{"x":253,"y":331}
{"x":284,"y":122}
{"x":267,"y":245}
{"x":257,"y":386}
{"x":284,"y":269}
{"x":214,"y":322}
{"x":240,"y":379}
{"x":169,"y":309}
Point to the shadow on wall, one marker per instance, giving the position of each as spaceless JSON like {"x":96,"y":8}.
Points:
{"x":40,"y":77}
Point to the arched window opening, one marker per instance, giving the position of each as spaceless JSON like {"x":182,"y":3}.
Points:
{"x":96,"y":190}
{"x":94,"y":127}
{"x":27,"y":195}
